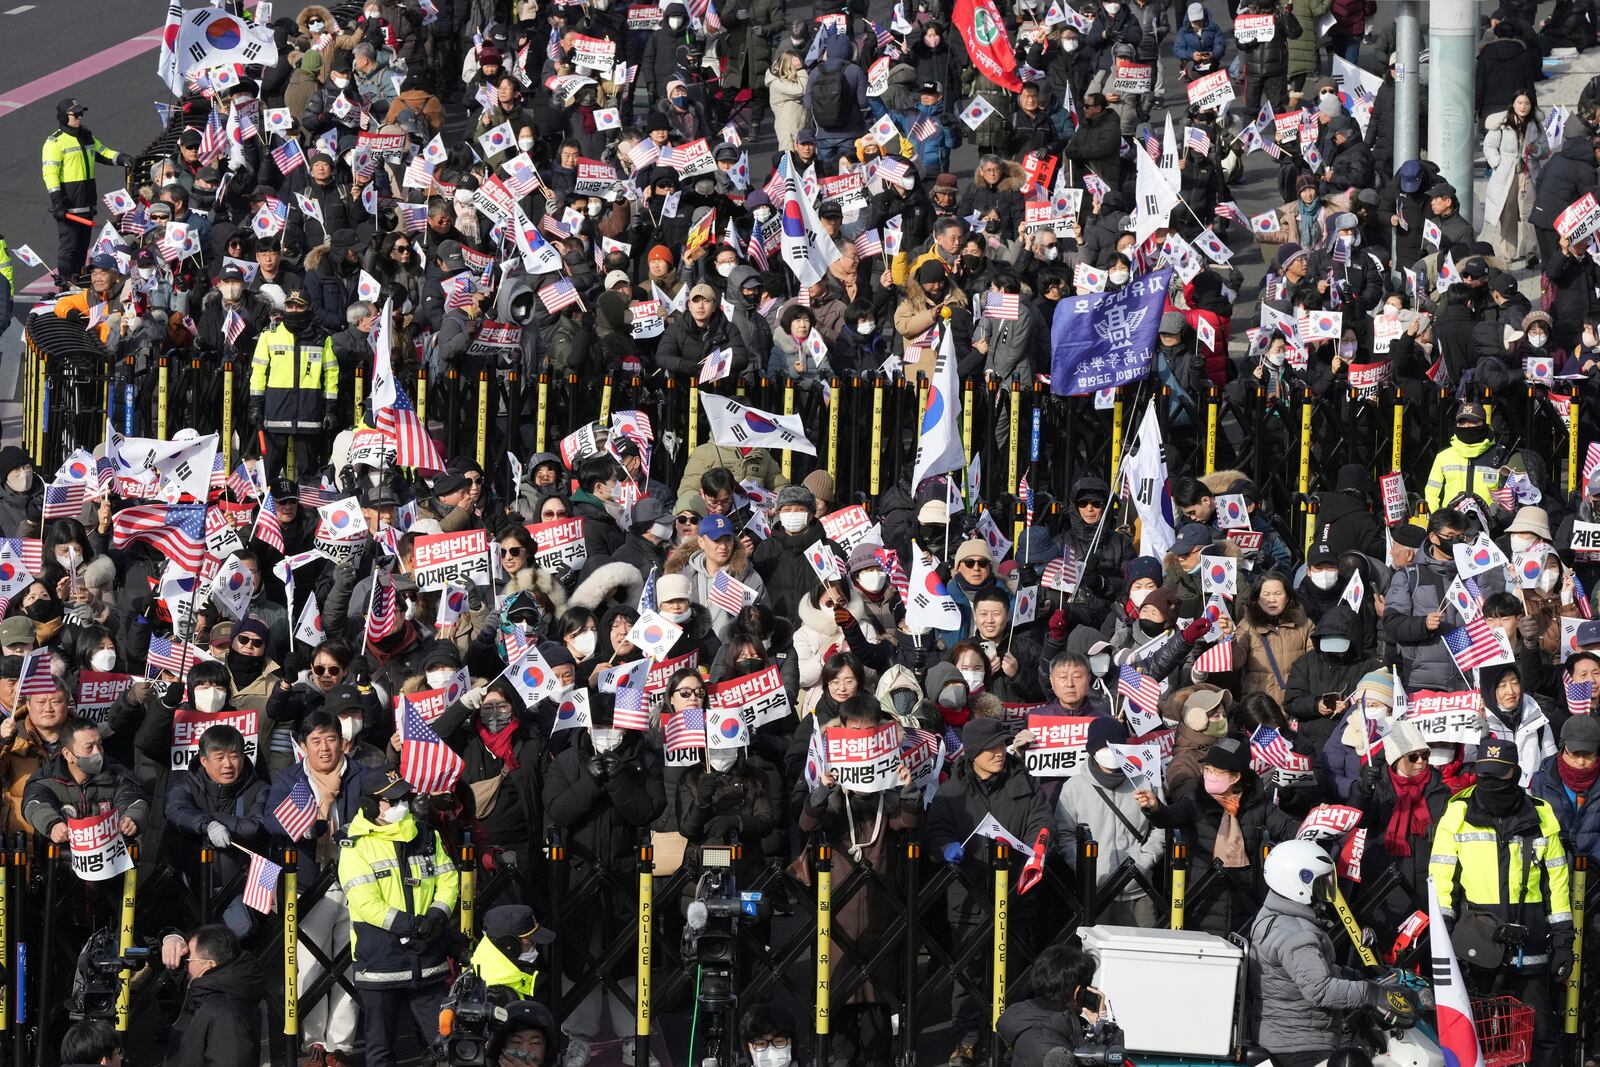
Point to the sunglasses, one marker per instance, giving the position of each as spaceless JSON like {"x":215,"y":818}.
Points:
{"x":551,"y":516}
{"x":1096,"y":504}
{"x":687,"y":520}
{"x":249,"y":642}
{"x":323,"y":671}
{"x":512,"y":551}
{"x":686,"y":692}
{"x":474,"y":481}
{"x":976,"y":564}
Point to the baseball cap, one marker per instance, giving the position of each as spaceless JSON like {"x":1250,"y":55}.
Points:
{"x":1192,"y":536}
{"x":385,"y":785}
{"x":1497,"y":759}
{"x":1410,"y":176}
{"x":516,"y":920}
{"x":716,"y":527}
{"x":616,"y":278}
{"x":1581,"y":734}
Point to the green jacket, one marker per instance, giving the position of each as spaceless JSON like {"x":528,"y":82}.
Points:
{"x":496,"y":968}
{"x":69,"y":167}
{"x":1303,"y":57}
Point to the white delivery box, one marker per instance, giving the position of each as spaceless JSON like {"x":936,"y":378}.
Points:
{"x":1172,"y":991}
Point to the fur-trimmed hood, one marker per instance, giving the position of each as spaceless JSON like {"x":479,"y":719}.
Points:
{"x":531,"y":579}
{"x":678,"y":558}
{"x":302,"y":20}
{"x":314,"y":257}
{"x":1223,"y":480}
{"x":621,"y":581}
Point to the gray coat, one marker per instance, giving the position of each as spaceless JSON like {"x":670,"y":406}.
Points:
{"x":1300,"y":997}
{"x":1084,"y":800}
{"x":1415,"y":592}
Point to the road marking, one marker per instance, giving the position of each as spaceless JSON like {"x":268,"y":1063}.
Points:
{"x":20,"y":10}
{"x":55,"y":83}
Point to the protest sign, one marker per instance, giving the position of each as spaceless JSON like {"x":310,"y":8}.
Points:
{"x":1447,"y":718}
{"x":441,"y":559}
{"x":759,"y":696}
{"x":98,"y":850}
{"x":187,"y":726}
{"x":867,"y":760}
{"x":559,"y":543}
{"x":1058,"y":744}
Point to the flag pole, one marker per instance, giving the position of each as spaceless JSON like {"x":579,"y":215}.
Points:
{"x":1099,"y":529}
{"x":366,"y":623}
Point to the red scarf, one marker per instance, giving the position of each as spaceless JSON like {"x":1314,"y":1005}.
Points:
{"x":1456,"y":774}
{"x":1578,"y":779}
{"x":501,"y":743}
{"x":1411,"y":817}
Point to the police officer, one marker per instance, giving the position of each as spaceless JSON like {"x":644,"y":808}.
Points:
{"x":294,"y":382}
{"x":69,"y":156}
{"x":509,"y":951}
{"x":1500,"y":870}
{"x":401,"y":889}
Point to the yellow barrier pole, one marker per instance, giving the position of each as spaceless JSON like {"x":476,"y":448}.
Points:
{"x":483,"y":417}
{"x":1572,"y":448}
{"x":1305,"y":441}
{"x":1579,"y":886}
{"x":1396,"y":445}
{"x":877,"y":434}
{"x":227,"y":416}
{"x":605,"y":400}
{"x":822,"y":875}
{"x":1213,"y":413}
{"x":420,"y":401}
{"x":161,"y":398}
{"x":1116,"y":437}
{"x":358,"y":393}
{"x":967,"y":394}
{"x":641,"y":1022}
{"x":1016,"y":427}
{"x":1002,"y":903}
{"x":130,"y":887}
{"x":467,"y":892}
{"x":1180,"y":882}
{"x":788,"y":409}
{"x":28,"y":360}
{"x":835,"y":398}
{"x":542,"y":418}
{"x":290,"y":903}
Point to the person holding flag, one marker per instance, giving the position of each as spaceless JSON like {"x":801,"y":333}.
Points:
{"x":990,"y":788}
{"x":503,"y":750}
{"x":401,"y":886}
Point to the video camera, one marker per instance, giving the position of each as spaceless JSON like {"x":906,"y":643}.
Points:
{"x":98,"y":981}
{"x":1100,"y":1046}
{"x":469,"y":1018}
{"x":711,"y":939}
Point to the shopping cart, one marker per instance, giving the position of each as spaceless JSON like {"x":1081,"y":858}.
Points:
{"x":1505,"y":1030}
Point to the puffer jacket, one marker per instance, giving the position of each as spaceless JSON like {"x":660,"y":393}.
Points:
{"x":1318,"y":672}
{"x":1569,"y":174}
{"x":1580,"y":823}
{"x":1300,"y":997}
{"x":1031,"y":1028}
{"x":1016,"y":802}
{"x":781,"y":562}
{"x":1268,"y":649}
{"x":53,"y":795}
{"x":1415,"y":592}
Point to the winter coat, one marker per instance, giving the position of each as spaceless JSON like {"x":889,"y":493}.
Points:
{"x":1032,"y":1028}
{"x":219,"y":1023}
{"x":341,"y":814}
{"x":17,"y":508}
{"x":1505,"y":68}
{"x":1459,"y":468}
{"x":1210,"y":38}
{"x":599,"y":819}
{"x":1317,"y":673}
{"x":1016,"y":802}
{"x":512,"y":813}
{"x":1510,"y":155}
{"x":1346,"y":524}
{"x":1096,"y":146}
{"x":1569,"y":174}
{"x":1413,"y":594}
{"x":1267,"y":649}
{"x":1580,"y":823}
{"x":1533,"y":735}
{"x":1377,"y":803}
{"x":781,"y":562}
{"x":685,"y":345}
{"x":1085,"y":801}
{"x":194,"y":801}
{"x":758,"y":464}
{"x":819,"y":636}
{"x":747,"y":42}
{"x":20,"y":757}
{"x":1353,"y":167}
{"x":1271,"y":59}
{"x":53,"y":795}
{"x":787,"y":97}
{"x":1300,"y":995}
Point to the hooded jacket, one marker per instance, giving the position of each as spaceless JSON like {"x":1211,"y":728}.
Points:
{"x":1346,"y":524}
{"x":836,"y":58}
{"x":1317,"y":673}
{"x":218,"y":1024}
{"x":1300,"y":997}
{"x":1569,"y":174}
{"x":1524,"y":726}
{"x":688,"y":560}
{"x":1414,"y":593}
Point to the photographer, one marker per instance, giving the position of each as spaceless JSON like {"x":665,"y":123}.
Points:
{"x":1054,"y":1017}
{"x":91,"y":1042}
{"x":222,"y":999}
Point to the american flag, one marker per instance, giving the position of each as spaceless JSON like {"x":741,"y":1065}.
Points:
{"x":558,"y":294}
{"x":1231,"y":211}
{"x":685,"y":729}
{"x":1580,"y":596}
{"x":925,"y":127}
{"x":412,"y":445}
{"x":312,"y":496}
{"x":1216,"y":659}
{"x":297,"y":812}
{"x":516,"y":641}
{"x":890,"y":561}
{"x":1269,"y":748}
{"x":261,"y":884}
{"x":1152,"y":145}
{"x":1580,"y":695}
{"x":243,"y":484}
{"x":552,"y":47}
{"x":1141,"y":689}
{"x":268,"y":530}
{"x":289,"y":157}
{"x":1002,"y":306}
{"x":1505,"y":496}
{"x":728,"y":593}
{"x":647,"y":593}
{"x":425,"y":761}
{"x":63,"y":501}
{"x":632,"y":708}
{"x":233,"y":326}
{"x":178,"y":531}
{"x":1025,"y":493}
{"x":35,"y":678}
{"x":458,"y":290}
{"x":869,"y":243}
{"x":219,"y":472}
{"x":171,"y":654}
{"x":383,"y":617}
{"x":1197,"y":140}
{"x":1476,"y":644}
{"x":30,"y":549}
{"x":885,"y":38}
{"x":756,"y":251}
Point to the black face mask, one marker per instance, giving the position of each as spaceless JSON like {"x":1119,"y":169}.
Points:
{"x":1498,"y":796}
{"x":972,"y":264}
{"x":245,"y":669}
{"x":297,"y":321}
{"x":1152,"y":629}
{"x":1472,"y":434}
{"x":747,"y":666}
{"x":931,"y":533}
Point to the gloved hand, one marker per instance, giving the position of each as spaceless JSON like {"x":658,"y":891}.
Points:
{"x":330,"y":422}
{"x":58,"y":205}
{"x":954,"y":853}
{"x":360,"y":675}
{"x":741,"y":14}
{"x":1561,"y":961}
{"x":293,"y":663}
{"x":723,"y":828}
{"x":843,"y":618}
{"x":429,"y":926}
{"x":1058,"y":625}
{"x":1033,"y":870}
{"x":1393,"y":1006}
{"x":1196,"y":629}
{"x":1370,"y":775}
{"x":124,"y":160}
{"x":257,"y":412}
{"x":1529,"y":629}
{"x":705,"y":789}
{"x":473,"y":698}
{"x":596,"y":767}
{"x":610,"y":765}
{"x":218,"y":835}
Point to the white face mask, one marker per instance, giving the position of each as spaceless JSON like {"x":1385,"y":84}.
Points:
{"x":19,"y":481}
{"x":583,"y":644}
{"x":974,"y":680}
{"x":725,"y":269}
{"x":1549,"y":579}
{"x":763,"y":213}
{"x":1521,"y":542}
{"x":1138,"y":595}
{"x":339,"y":81}
{"x":104,"y":660}
{"x":1323,"y":579}
{"x":1070,"y":44}
{"x":1099,"y":664}
{"x":209,"y":700}
{"x":1275,"y":358}
{"x":793,"y":521}
{"x":1112,"y":9}
{"x":908,"y":183}
{"x":605,"y":738}
{"x":395,"y":813}
{"x":675,"y":23}
{"x":723,"y":758}
{"x":679,"y":617}
{"x":1334,"y":645}
{"x":1589,"y":339}
{"x":438,"y":679}
{"x":532,"y":955}
{"x":525,"y":143}
{"x":1107,"y":760}
{"x":349,"y":727}
{"x":315,"y":25}
{"x":593,"y":208}
{"x":1119,"y":277}
{"x":866,"y":329}
{"x":1537,"y":340}
{"x":770,"y":1057}
{"x":872,"y":581}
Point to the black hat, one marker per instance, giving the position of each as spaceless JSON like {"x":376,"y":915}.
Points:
{"x":379,"y":496}
{"x":830,"y":209}
{"x":980,"y":735}
{"x":931,"y":271}
{"x":805,"y":135}
{"x":1581,"y":734}
{"x":556,"y":654}
{"x":343,"y":697}
{"x":450,"y":257}
{"x":656,"y":122}
{"x":449,"y":481}
{"x":1497,"y":758}
{"x":515,"y":920}
{"x":385,"y":785}
{"x":230,"y":273}
{"x":1105,"y":730}
{"x":726,"y":153}
{"x":344,"y":62}
{"x":646,"y":513}
{"x":931,"y":87}
{"x":283,"y":489}
{"x":189,"y":138}
{"x":1442,"y":188}
{"x":1229,"y":754}
{"x":1408,"y":534}
{"x":1475,"y":268}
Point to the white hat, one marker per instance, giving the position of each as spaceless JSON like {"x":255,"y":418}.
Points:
{"x":672,"y":587}
{"x":1197,"y":13}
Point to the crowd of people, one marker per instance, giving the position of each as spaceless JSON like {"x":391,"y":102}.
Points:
{"x":361,"y":644}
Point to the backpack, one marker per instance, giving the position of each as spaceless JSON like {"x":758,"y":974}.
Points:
{"x":831,"y":106}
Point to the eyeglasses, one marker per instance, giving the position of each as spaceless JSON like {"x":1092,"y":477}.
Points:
{"x":474,"y":481}
{"x":688,"y":691}
{"x":250,"y":641}
{"x":551,"y":516}
{"x":513,"y":551}
{"x":324,"y":670}
{"x":776,"y":1042}
{"x":976,"y":564}
{"x":1096,"y":504}
{"x":496,"y":708}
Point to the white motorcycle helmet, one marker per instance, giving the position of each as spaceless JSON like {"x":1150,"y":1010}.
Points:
{"x":1300,"y":871}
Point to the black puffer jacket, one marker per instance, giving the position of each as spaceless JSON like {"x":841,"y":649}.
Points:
{"x":1270,"y":59}
{"x":218,"y":1023}
{"x":194,"y":801}
{"x":1318,"y":672}
{"x":1565,"y":177}
{"x":1013,"y":798}
{"x":599,"y":817}
{"x":1034,"y":1027}
{"x":781,"y":562}
{"x":1348,"y":525}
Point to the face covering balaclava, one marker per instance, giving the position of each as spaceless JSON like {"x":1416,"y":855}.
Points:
{"x":1499,"y":796}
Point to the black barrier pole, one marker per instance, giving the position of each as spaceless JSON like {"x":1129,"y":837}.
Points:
{"x":52,"y":863}
{"x":208,"y":873}
{"x":908,"y":1013}
{"x":1088,"y":874}
{"x":19,"y":973}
